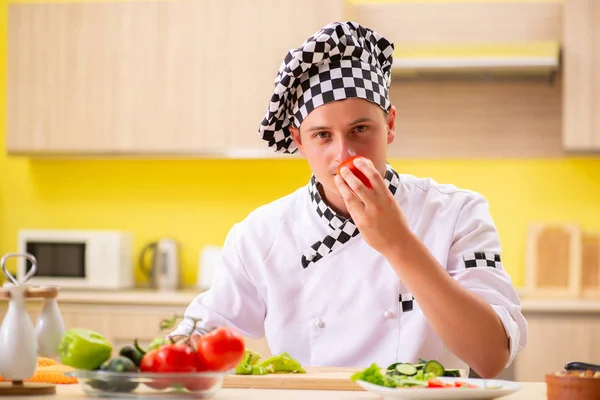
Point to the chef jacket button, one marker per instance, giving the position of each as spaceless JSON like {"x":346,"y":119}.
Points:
{"x":319,"y":324}
{"x":387,"y":314}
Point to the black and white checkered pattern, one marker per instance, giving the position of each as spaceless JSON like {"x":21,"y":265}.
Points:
{"x":482,"y":259}
{"x":406,"y":302}
{"x":340,"y":61}
{"x":343,"y":228}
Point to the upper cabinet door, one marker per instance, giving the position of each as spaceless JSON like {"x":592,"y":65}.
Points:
{"x":172,"y":78}
{"x":581,"y":57}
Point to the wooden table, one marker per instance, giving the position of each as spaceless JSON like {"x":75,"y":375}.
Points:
{"x":530,"y":391}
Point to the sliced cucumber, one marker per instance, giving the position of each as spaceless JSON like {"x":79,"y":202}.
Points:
{"x":434,"y":367}
{"x":419,"y":366}
{"x":454,"y":373}
{"x":406,"y":369}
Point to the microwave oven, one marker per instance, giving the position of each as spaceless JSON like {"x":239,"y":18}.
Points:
{"x":78,"y":259}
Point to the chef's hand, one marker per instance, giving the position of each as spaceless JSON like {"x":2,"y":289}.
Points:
{"x":375,"y":211}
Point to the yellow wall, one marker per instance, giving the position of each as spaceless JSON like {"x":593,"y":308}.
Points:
{"x":197,"y":201}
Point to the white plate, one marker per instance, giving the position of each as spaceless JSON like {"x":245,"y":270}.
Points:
{"x":409,"y":393}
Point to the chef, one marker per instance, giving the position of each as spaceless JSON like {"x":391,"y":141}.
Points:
{"x":343,"y":272}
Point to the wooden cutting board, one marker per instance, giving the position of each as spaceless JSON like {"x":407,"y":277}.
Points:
{"x":330,"y":378}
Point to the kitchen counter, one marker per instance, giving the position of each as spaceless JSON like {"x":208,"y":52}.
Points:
{"x":143,"y":296}
{"x":531,"y":305}
{"x":147,"y":297}
{"x":530,"y":391}
{"x":182,"y":298}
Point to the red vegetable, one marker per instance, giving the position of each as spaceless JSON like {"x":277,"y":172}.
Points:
{"x":168,"y":358}
{"x":349,"y":163}
{"x":220,"y":349}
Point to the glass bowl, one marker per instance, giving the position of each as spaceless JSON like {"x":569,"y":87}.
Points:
{"x":137,"y":385}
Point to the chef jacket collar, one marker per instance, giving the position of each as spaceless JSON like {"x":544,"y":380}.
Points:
{"x":343,"y":229}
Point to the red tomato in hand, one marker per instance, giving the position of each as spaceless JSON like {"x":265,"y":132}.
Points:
{"x":349,"y":163}
{"x":221,"y":349}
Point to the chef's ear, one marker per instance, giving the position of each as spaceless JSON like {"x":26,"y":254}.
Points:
{"x":391,"y":125}
{"x":296,"y":138}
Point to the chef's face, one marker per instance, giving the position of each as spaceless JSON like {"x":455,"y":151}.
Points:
{"x":335,"y":131}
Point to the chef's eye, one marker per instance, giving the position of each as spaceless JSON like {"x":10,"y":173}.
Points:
{"x":360,"y":128}
{"x":321,"y":135}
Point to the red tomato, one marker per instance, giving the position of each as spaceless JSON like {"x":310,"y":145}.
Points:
{"x":168,"y":358}
{"x":221,"y":349}
{"x":436,"y":383}
{"x":349,"y":163}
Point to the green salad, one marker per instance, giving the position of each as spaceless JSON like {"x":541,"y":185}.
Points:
{"x":405,"y":374}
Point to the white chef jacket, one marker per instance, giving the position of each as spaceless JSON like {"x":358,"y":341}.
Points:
{"x":350,"y":308}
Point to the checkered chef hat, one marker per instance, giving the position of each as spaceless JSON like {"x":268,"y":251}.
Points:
{"x":342,"y":60}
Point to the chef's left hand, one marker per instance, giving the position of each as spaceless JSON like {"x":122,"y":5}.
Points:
{"x":374,"y":211}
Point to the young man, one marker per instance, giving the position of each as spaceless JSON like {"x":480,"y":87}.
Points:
{"x":340,"y":273}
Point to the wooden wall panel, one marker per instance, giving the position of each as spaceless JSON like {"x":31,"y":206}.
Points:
{"x":477,"y":119}
{"x":510,"y":21}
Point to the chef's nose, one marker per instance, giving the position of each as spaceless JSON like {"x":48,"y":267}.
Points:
{"x":344,"y":150}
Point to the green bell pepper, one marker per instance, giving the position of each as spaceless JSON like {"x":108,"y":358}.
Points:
{"x":245,"y":367}
{"x":282,"y":363}
{"x":84,"y":349}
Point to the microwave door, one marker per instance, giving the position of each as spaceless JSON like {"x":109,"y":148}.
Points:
{"x":58,"y":260}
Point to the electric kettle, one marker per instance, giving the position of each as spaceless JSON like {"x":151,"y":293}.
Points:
{"x":164,"y":269}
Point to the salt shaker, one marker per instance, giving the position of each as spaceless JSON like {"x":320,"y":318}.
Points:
{"x":50,"y":328}
{"x":18,"y":343}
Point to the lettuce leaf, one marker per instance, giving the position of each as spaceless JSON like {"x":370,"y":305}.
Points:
{"x":373,"y":375}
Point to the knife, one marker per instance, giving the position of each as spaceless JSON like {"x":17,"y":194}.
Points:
{"x":581,"y":366}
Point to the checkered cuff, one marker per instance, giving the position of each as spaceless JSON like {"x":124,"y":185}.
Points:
{"x":482,"y":259}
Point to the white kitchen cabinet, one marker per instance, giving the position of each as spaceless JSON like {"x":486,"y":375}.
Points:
{"x":154,"y":77}
{"x":581,"y":93}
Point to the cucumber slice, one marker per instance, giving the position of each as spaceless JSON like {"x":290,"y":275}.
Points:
{"x":391,"y":369}
{"x":434,"y":367}
{"x":406,"y":369}
{"x":454,"y":373}
{"x":419,"y":366}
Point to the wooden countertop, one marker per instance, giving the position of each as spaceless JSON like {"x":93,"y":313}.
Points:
{"x":530,"y":391}
{"x":530,"y":305}
{"x":129,"y":297}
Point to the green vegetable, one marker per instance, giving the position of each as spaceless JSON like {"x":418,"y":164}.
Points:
{"x":259,"y":370}
{"x":434,"y":367}
{"x":245,"y":367}
{"x":114,"y":384}
{"x":282,"y":363}
{"x":132,"y":353}
{"x":156,"y":343}
{"x":84,"y":349}
{"x":373,"y":375}
{"x":454,"y":373}
{"x":406,"y":369}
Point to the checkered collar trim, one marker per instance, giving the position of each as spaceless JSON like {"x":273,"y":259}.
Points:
{"x":343,"y":229}
{"x":340,"y":61}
